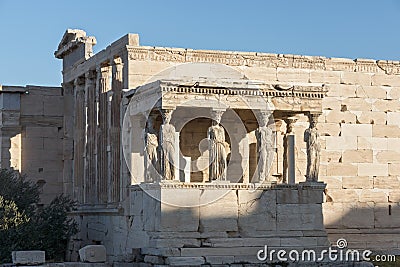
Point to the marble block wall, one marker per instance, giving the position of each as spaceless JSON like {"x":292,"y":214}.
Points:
{"x":168,"y":223}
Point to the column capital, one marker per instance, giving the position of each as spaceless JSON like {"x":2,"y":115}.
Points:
{"x":166,"y":114}
{"x":289,"y":124}
{"x":91,"y":75}
{"x":103,"y":71}
{"x":313,"y":118}
{"x":80,"y":81}
{"x":116,"y":61}
{"x":117,"y":66}
{"x":314,"y":114}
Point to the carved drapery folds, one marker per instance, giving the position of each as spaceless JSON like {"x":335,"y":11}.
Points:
{"x":151,"y":150}
{"x":311,"y":137}
{"x":103,"y":152}
{"x":217,"y":148}
{"x":168,"y":149}
{"x":264,"y":135}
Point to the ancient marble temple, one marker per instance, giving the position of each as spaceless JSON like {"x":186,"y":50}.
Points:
{"x":183,"y":151}
{"x":188,"y":157}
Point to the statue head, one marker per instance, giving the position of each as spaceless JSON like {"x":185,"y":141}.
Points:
{"x":166,"y":115}
{"x":313,"y":119}
{"x":150,"y":123}
{"x":216,"y":115}
{"x":263,"y":118}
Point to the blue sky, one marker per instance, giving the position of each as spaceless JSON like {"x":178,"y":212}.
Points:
{"x":31,"y":30}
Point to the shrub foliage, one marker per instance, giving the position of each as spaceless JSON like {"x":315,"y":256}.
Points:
{"x":24,"y":226}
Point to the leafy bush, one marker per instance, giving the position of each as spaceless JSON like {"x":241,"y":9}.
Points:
{"x":25,"y":227}
{"x":10,"y":217}
{"x":15,"y":187}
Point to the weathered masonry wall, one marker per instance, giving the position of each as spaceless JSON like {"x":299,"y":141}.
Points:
{"x":31,"y":135}
{"x":227,"y":229}
{"x":359,"y":127}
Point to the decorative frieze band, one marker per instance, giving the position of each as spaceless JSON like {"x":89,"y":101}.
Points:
{"x":266,"y":91}
{"x":231,"y":186}
{"x":255,"y":59}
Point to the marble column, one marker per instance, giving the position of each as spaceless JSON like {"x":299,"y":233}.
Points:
{"x":217,"y":148}
{"x":169,"y":149}
{"x":311,"y":137}
{"x":265,"y":142}
{"x":115,"y":130}
{"x":79,"y":137}
{"x":90,"y":149}
{"x":287,"y":155}
{"x":102,"y":135}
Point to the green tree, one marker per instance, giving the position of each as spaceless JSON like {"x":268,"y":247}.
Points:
{"x":25,"y":227}
{"x":17,"y":188}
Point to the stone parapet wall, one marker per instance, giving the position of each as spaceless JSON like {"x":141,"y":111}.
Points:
{"x":31,"y":135}
{"x":236,"y":223}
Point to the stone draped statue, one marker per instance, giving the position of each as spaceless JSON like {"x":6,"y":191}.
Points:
{"x":265,"y":142}
{"x":151,"y":149}
{"x":167,"y":139}
{"x":311,"y":137}
{"x":216,"y":137}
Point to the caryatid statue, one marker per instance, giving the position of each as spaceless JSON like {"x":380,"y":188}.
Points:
{"x":151,"y":149}
{"x":216,"y":137}
{"x":167,"y":140}
{"x":265,"y":142}
{"x":311,"y":137}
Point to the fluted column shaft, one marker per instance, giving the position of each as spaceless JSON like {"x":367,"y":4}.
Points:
{"x":115,"y":131}
{"x":102,"y":135}
{"x":79,"y":137}
{"x":90,"y":149}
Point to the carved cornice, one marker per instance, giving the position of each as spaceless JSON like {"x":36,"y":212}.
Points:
{"x":255,"y":59}
{"x":390,"y":67}
{"x":71,"y":40}
{"x":263,"y":90}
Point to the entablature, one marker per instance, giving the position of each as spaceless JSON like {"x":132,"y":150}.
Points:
{"x":227,"y":94}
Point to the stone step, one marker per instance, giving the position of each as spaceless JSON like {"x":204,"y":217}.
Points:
{"x":29,"y":257}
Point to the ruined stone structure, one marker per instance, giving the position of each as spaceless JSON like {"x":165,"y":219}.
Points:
{"x":180,"y":156}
